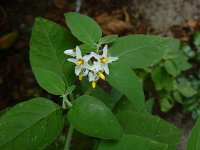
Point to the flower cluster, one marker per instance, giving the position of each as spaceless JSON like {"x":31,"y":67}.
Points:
{"x":92,"y":65}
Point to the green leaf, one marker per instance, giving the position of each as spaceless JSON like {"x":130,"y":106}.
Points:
{"x":123,"y":79}
{"x":134,"y":48}
{"x":92,"y":117}
{"x":171,"y":68}
{"x":149,"y":105}
{"x":105,"y":97}
{"x":85,"y":48}
{"x":33,"y":124}
{"x":166,"y":104}
{"x":177,"y":97}
{"x":125,"y":105}
{"x":49,"y":81}
{"x":162,"y":79}
{"x":132,"y":142}
{"x":148,"y":126}
{"x":181,"y":61}
{"x":47,"y":45}
{"x":83,"y":27}
{"x":197,"y":39}
{"x":186,"y":89}
{"x":194,"y":139}
{"x":108,"y":39}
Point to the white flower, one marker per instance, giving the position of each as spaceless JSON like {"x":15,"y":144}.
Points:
{"x":104,"y":59}
{"x":70,"y":52}
{"x":81,"y":62}
{"x":87,"y":66}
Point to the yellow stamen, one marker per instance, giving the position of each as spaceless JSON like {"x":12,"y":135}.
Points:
{"x":80,"y":77}
{"x":101,"y":75}
{"x":94,"y":84}
{"x":104,"y":60}
{"x":79,"y":62}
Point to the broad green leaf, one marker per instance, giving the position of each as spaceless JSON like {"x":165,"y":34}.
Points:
{"x":85,"y":48}
{"x":181,"y":62}
{"x":148,"y":126}
{"x":47,"y":45}
{"x":32,"y":125}
{"x":132,"y":142}
{"x":139,"y":51}
{"x":172,"y":49}
{"x":105,"y":97}
{"x":186,"y":89}
{"x":92,"y":117}
{"x":194,"y":139}
{"x":123,"y":79}
{"x":108,"y":39}
{"x":171,"y":68}
{"x":83,"y":27}
{"x":162,"y":79}
{"x":125,"y":105}
{"x":49,"y":81}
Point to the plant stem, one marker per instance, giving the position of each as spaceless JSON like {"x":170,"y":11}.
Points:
{"x":69,"y":137}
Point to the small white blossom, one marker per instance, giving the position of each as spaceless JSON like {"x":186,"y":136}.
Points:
{"x":104,"y":59}
{"x":87,"y":66}
{"x":81,"y":62}
{"x":70,"y":52}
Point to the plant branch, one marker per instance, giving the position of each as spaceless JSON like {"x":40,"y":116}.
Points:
{"x":69,"y":137}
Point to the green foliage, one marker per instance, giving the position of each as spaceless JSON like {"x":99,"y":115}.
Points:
{"x":162,"y":80}
{"x":134,"y":48}
{"x":107,"y":39}
{"x":124,"y":80}
{"x":83,"y":28}
{"x":30,"y":125}
{"x":48,"y":41}
{"x":148,"y":126}
{"x":129,"y":142}
{"x":92,"y":117}
{"x":51,"y":83}
{"x":194,"y":139}
{"x":36,"y":123}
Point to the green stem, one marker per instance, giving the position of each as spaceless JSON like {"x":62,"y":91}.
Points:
{"x":69,"y":137}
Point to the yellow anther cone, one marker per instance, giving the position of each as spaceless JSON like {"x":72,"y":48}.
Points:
{"x":104,"y":60}
{"x":94,"y":84}
{"x":79,"y":62}
{"x":101,"y":75}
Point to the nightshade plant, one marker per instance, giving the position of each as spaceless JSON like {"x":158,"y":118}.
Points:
{"x":58,"y":59}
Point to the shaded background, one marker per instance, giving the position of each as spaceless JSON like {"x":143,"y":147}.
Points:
{"x":177,"y":18}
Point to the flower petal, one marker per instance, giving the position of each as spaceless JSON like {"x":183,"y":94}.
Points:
{"x":105,"y":51}
{"x":85,"y":73}
{"x":70,"y":52}
{"x":78,"y":70}
{"x":78,"y":53}
{"x":91,"y":76}
{"x":95,"y":55}
{"x":105,"y":67}
{"x":72,"y":60}
{"x":111,"y":59}
{"x":86,"y":58}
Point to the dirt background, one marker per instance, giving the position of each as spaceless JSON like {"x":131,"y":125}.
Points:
{"x":177,"y":18}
